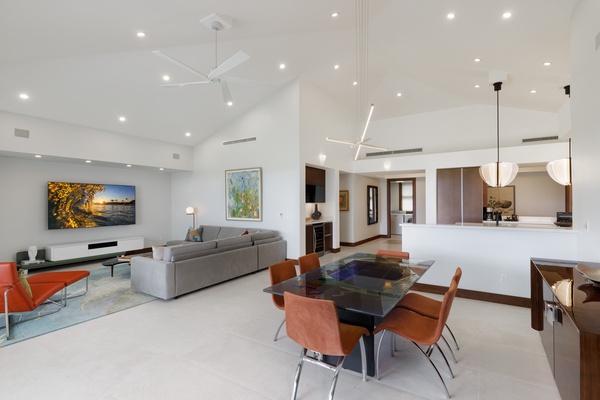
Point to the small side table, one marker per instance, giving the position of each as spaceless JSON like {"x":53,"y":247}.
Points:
{"x":112,"y":262}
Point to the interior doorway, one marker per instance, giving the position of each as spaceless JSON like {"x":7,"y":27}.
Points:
{"x":401,"y":204}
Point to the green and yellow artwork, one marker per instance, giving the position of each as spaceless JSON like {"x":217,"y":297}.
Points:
{"x":244,"y":197}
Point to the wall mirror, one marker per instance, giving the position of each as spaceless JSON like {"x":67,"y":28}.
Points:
{"x":372,"y":205}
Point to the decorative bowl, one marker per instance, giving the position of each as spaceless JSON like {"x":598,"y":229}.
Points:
{"x":593,"y":274}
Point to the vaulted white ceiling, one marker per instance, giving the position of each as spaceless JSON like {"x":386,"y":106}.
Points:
{"x":81,"y":61}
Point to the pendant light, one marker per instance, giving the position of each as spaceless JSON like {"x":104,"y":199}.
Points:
{"x":498,"y":174}
{"x":560,"y":170}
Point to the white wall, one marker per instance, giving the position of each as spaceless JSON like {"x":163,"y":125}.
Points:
{"x":537,"y":195}
{"x":585,"y":89}
{"x":23,"y":184}
{"x":347,"y":217}
{"x":54,"y":139}
{"x":275,"y":124}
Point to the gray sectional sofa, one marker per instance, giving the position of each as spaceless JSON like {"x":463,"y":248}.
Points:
{"x":224,"y":253}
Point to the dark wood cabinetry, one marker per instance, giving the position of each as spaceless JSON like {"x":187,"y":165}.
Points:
{"x":569,"y":325}
{"x":315,"y":176}
{"x":459,"y":195}
{"x":319,"y":237}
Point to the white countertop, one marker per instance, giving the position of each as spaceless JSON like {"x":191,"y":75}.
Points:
{"x":319,"y":221}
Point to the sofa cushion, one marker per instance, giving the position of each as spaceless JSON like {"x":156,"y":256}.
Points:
{"x":234,"y":241}
{"x":210,"y":232}
{"x":228,"y":231}
{"x":268,"y":240}
{"x":186,"y":251}
{"x":263,"y":235}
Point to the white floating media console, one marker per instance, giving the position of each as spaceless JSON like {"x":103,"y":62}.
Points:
{"x":69,"y":251}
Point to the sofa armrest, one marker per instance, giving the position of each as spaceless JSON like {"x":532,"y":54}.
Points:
{"x":271,"y":253}
{"x":153,"y":277}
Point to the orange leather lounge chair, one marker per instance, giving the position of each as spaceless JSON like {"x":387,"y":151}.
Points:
{"x":419,"y":329}
{"x":403,"y":255}
{"x":308,"y":262}
{"x":67,"y":278}
{"x":314,"y":325}
{"x":15,"y":297}
{"x":278,"y":273}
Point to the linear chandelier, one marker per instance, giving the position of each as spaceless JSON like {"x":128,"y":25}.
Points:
{"x":498,"y":174}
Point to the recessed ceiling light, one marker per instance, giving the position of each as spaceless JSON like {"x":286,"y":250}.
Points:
{"x":141,"y":34}
{"x":450,"y":16}
{"x":24,"y":96}
{"x":476,"y":86}
{"x":399,"y":94}
{"x":547,"y":63}
{"x":166,"y":77}
{"x":334,"y":14}
{"x":188,"y":134}
{"x":128,"y":165}
{"x":122,"y":119}
{"x":230,"y":103}
{"x":161,"y":169}
{"x":507,"y":15}
{"x":282,"y":66}
{"x":533,"y":91}
{"x":477,"y":59}
{"x":336,"y":66}
{"x":88,"y":161}
{"x":38,"y":156}
{"x":354,"y":83}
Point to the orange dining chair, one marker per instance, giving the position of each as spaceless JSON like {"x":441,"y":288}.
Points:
{"x":404,"y":255}
{"x":430,"y":308}
{"x":419,"y":329}
{"x":314,"y":325}
{"x":308,"y":262}
{"x":278,"y":273}
{"x":16,"y":298}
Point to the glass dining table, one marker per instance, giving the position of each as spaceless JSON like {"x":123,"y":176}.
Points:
{"x":365,"y":288}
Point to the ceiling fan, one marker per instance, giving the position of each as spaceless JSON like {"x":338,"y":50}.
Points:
{"x":215,"y":76}
{"x":362,"y":141}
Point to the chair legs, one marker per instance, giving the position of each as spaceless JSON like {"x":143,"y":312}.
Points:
{"x":426,"y":353}
{"x":453,"y":338}
{"x":278,"y":329}
{"x":317,"y":359}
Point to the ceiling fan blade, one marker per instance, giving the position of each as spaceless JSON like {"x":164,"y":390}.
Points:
{"x":341,"y":141}
{"x":177,"y":62}
{"x":182,"y":84}
{"x":370,"y":146}
{"x":228,"y":64}
{"x":245,"y":81}
{"x":226,"y":94}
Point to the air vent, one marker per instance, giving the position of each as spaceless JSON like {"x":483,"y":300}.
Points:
{"x":250,"y":139}
{"x":540,"y":139}
{"x":24,"y":133}
{"x":175,"y":156}
{"x":394,"y":152}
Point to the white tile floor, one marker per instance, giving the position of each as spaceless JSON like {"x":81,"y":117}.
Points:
{"x":217,"y":344}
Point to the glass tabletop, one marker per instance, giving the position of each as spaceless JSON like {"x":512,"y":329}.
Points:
{"x":361,"y":282}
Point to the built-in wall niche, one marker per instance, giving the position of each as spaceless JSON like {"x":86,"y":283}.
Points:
{"x":315,"y":185}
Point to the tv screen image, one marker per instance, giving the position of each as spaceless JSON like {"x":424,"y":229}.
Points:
{"x":87,"y":205}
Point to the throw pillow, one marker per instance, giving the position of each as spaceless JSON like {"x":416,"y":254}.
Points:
{"x":193,"y":235}
{"x":24,"y":282}
{"x":245,"y":232}
{"x":158,"y":252}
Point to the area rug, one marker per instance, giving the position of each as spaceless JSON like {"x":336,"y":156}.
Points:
{"x":106,"y":295}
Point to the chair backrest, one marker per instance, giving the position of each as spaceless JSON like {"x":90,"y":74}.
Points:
{"x":313,"y":324}
{"x":19,"y":299}
{"x":308,"y":262}
{"x":404,"y":255}
{"x":447,"y":303}
{"x":278,"y":273}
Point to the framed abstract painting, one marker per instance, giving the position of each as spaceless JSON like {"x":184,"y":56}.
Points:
{"x":243,"y":193}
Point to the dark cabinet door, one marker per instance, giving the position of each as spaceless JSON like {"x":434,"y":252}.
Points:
{"x":459,"y":195}
{"x":328,"y":236}
{"x":310,"y":244}
{"x":566,"y":357}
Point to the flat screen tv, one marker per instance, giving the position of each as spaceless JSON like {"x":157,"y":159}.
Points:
{"x":315,"y":194}
{"x":88,"y":205}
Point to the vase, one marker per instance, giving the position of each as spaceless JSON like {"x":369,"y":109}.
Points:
{"x":317,"y":214}
{"x":32,"y":252}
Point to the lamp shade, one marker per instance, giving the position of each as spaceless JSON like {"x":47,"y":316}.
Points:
{"x":560,"y":171}
{"x":501,"y":178}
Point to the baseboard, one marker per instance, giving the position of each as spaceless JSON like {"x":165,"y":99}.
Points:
{"x":362,"y":241}
{"x":476,"y":295}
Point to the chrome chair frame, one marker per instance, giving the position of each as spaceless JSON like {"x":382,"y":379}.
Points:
{"x":317,"y":359}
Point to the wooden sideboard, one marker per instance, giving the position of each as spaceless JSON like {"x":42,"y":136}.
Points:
{"x":568,"y":320}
